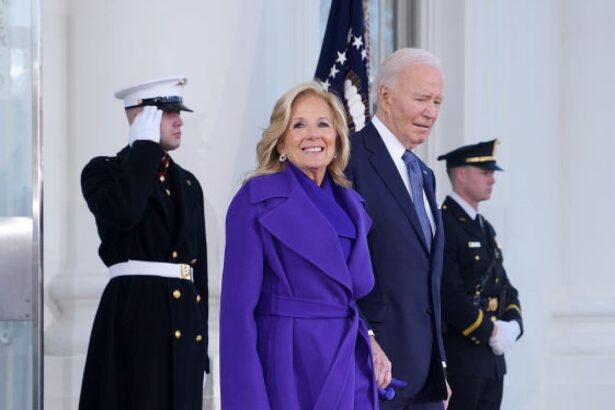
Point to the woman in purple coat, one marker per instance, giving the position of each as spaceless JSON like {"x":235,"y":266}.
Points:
{"x":296,"y":261}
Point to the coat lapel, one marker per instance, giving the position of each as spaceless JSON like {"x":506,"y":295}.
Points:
{"x":383,"y":164}
{"x":299,"y":225}
{"x":359,"y":256}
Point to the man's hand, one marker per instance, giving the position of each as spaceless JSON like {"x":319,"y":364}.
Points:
{"x":382,"y":365}
{"x":146,"y":125}
{"x":504,"y":337}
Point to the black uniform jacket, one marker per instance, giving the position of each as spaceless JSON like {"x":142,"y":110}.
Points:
{"x":472,"y":300}
{"x":148,"y":348}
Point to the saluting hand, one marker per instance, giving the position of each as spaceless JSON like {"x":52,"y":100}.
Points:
{"x":382,"y":364}
{"x":146,"y":126}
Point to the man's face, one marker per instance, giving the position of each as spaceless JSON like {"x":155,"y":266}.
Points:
{"x":410,"y":107}
{"x":170,"y":130}
{"x":476,"y":183}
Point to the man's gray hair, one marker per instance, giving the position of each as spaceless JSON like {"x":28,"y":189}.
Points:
{"x":390,"y":69}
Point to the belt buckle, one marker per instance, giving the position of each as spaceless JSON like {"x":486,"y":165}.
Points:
{"x":492,"y":305}
{"x":184,"y":271}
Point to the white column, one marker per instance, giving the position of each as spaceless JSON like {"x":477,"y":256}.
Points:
{"x":582,"y":346}
{"x":502,"y":68}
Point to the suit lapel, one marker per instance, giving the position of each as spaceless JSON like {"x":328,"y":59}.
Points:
{"x":383,"y":164}
{"x":299,"y":225}
{"x":430,"y":192}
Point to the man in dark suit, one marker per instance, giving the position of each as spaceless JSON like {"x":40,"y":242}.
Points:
{"x":148,"y":348}
{"x":406,"y":239}
{"x":481,"y":310}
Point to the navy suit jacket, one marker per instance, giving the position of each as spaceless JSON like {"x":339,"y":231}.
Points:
{"x":403,"y":309}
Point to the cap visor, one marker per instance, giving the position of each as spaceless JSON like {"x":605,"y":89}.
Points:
{"x":173,"y":107}
{"x":492,"y":166}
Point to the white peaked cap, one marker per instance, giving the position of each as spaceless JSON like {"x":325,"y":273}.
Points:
{"x":168,"y":89}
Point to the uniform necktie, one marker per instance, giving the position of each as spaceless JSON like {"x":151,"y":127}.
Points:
{"x":479,"y":222}
{"x":416,"y":185}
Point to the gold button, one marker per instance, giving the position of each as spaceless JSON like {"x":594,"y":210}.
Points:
{"x":177,"y":294}
{"x":477,"y":342}
{"x":199,"y":338}
{"x":198,"y":298}
{"x":193,"y":261}
{"x":493,"y":319}
{"x":168,"y":192}
{"x":174,"y":254}
{"x":477,"y":258}
{"x":473,"y":338}
{"x":162,"y":178}
{"x":178,"y":334}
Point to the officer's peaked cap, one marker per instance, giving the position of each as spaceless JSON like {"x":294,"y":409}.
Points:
{"x":480,"y":155}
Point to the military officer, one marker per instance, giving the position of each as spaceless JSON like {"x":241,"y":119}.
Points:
{"x":148,"y":347}
{"x":480,"y":307}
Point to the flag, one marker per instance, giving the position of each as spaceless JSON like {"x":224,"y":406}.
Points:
{"x":343,"y":62}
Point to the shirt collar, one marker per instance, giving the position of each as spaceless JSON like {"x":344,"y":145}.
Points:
{"x":464,"y":205}
{"x":395,"y":148}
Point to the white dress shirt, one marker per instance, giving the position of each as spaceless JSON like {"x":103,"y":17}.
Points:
{"x":396,"y":151}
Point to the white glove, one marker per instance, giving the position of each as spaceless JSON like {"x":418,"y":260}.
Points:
{"x":146,"y":125}
{"x":505,"y":337}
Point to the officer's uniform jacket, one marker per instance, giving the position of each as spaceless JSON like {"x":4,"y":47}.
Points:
{"x":148,"y":348}
{"x":469,"y":249}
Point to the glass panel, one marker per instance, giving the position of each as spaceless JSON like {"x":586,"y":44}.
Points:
{"x":16,"y":160}
{"x":16,"y":376}
{"x":15,"y":108}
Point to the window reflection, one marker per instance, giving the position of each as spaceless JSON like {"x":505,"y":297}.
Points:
{"x":15,"y":108}
{"x":16,"y":336}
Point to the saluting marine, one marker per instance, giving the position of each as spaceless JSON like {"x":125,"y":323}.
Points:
{"x":148,"y":348}
{"x":480,"y":307}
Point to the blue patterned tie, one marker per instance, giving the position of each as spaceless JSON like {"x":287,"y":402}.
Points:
{"x":416,"y":184}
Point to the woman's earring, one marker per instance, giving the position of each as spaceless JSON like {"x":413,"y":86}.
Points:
{"x":335,"y":156}
{"x":282,"y":157}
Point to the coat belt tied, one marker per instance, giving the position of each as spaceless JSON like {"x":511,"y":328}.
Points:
{"x":343,"y":363}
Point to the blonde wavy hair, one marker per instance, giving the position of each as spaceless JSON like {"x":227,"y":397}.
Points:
{"x":266,"y":149}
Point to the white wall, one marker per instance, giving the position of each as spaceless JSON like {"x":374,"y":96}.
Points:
{"x":237,"y":64}
{"x":582,"y":349}
{"x":238,"y":56}
{"x":537,"y":75}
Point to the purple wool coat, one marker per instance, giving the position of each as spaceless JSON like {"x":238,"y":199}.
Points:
{"x":290,"y":334}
